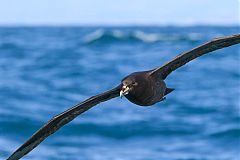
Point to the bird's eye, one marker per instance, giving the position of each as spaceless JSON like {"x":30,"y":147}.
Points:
{"x":134,"y":83}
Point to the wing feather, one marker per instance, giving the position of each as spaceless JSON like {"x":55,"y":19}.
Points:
{"x":60,"y":120}
{"x":163,"y":71}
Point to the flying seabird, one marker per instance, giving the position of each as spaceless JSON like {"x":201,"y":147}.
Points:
{"x":142,"y":88}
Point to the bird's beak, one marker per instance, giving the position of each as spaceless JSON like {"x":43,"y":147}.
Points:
{"x":124,"y":91}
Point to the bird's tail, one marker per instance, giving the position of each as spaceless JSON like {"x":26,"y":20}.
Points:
{"x":169,"y":90}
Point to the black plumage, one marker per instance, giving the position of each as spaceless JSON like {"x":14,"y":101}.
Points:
{"x":142,"y":88}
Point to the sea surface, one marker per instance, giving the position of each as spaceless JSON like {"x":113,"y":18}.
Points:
{"x":46,"y":70}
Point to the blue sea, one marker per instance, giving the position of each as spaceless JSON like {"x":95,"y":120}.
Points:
{"x":46,"y":70}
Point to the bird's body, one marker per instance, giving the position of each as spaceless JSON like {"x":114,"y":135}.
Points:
{"x":147,"y":91}
{"x":142,"y":88}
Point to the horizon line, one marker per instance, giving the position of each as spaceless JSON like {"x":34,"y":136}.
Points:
{"x":121,"y":25}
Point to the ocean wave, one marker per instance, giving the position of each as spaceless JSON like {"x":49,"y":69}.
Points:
{"x":103,"y":36}
{"x":228,"y":133}
{"x":8,"y":46}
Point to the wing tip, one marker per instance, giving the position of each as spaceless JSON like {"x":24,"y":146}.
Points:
{"x":14,"y":156}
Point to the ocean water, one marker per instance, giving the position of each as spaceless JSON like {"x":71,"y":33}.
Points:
{"x":46,"y":70}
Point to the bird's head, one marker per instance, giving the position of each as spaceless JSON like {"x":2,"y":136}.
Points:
{"x":128,"y":84}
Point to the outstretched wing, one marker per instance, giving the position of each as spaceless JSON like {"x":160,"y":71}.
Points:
{"x":60,"y":120}
{"x":163,"y":71}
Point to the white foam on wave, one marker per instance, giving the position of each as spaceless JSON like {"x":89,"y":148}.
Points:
{"x":94,"y":35}
{"x":139,"y":35}
{"x":119,"y":34}
{"x":147,"y":37}
{"x":155,"y":37}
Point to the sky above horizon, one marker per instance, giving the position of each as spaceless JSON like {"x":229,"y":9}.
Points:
{"x":124,"y":12}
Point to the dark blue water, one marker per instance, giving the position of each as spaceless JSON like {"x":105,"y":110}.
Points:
{"x":44,"y":71}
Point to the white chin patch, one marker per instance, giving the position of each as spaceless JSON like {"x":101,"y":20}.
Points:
{"x":124,"y":91}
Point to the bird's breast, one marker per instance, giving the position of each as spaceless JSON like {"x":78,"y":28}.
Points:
{"x":148,"y":93}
